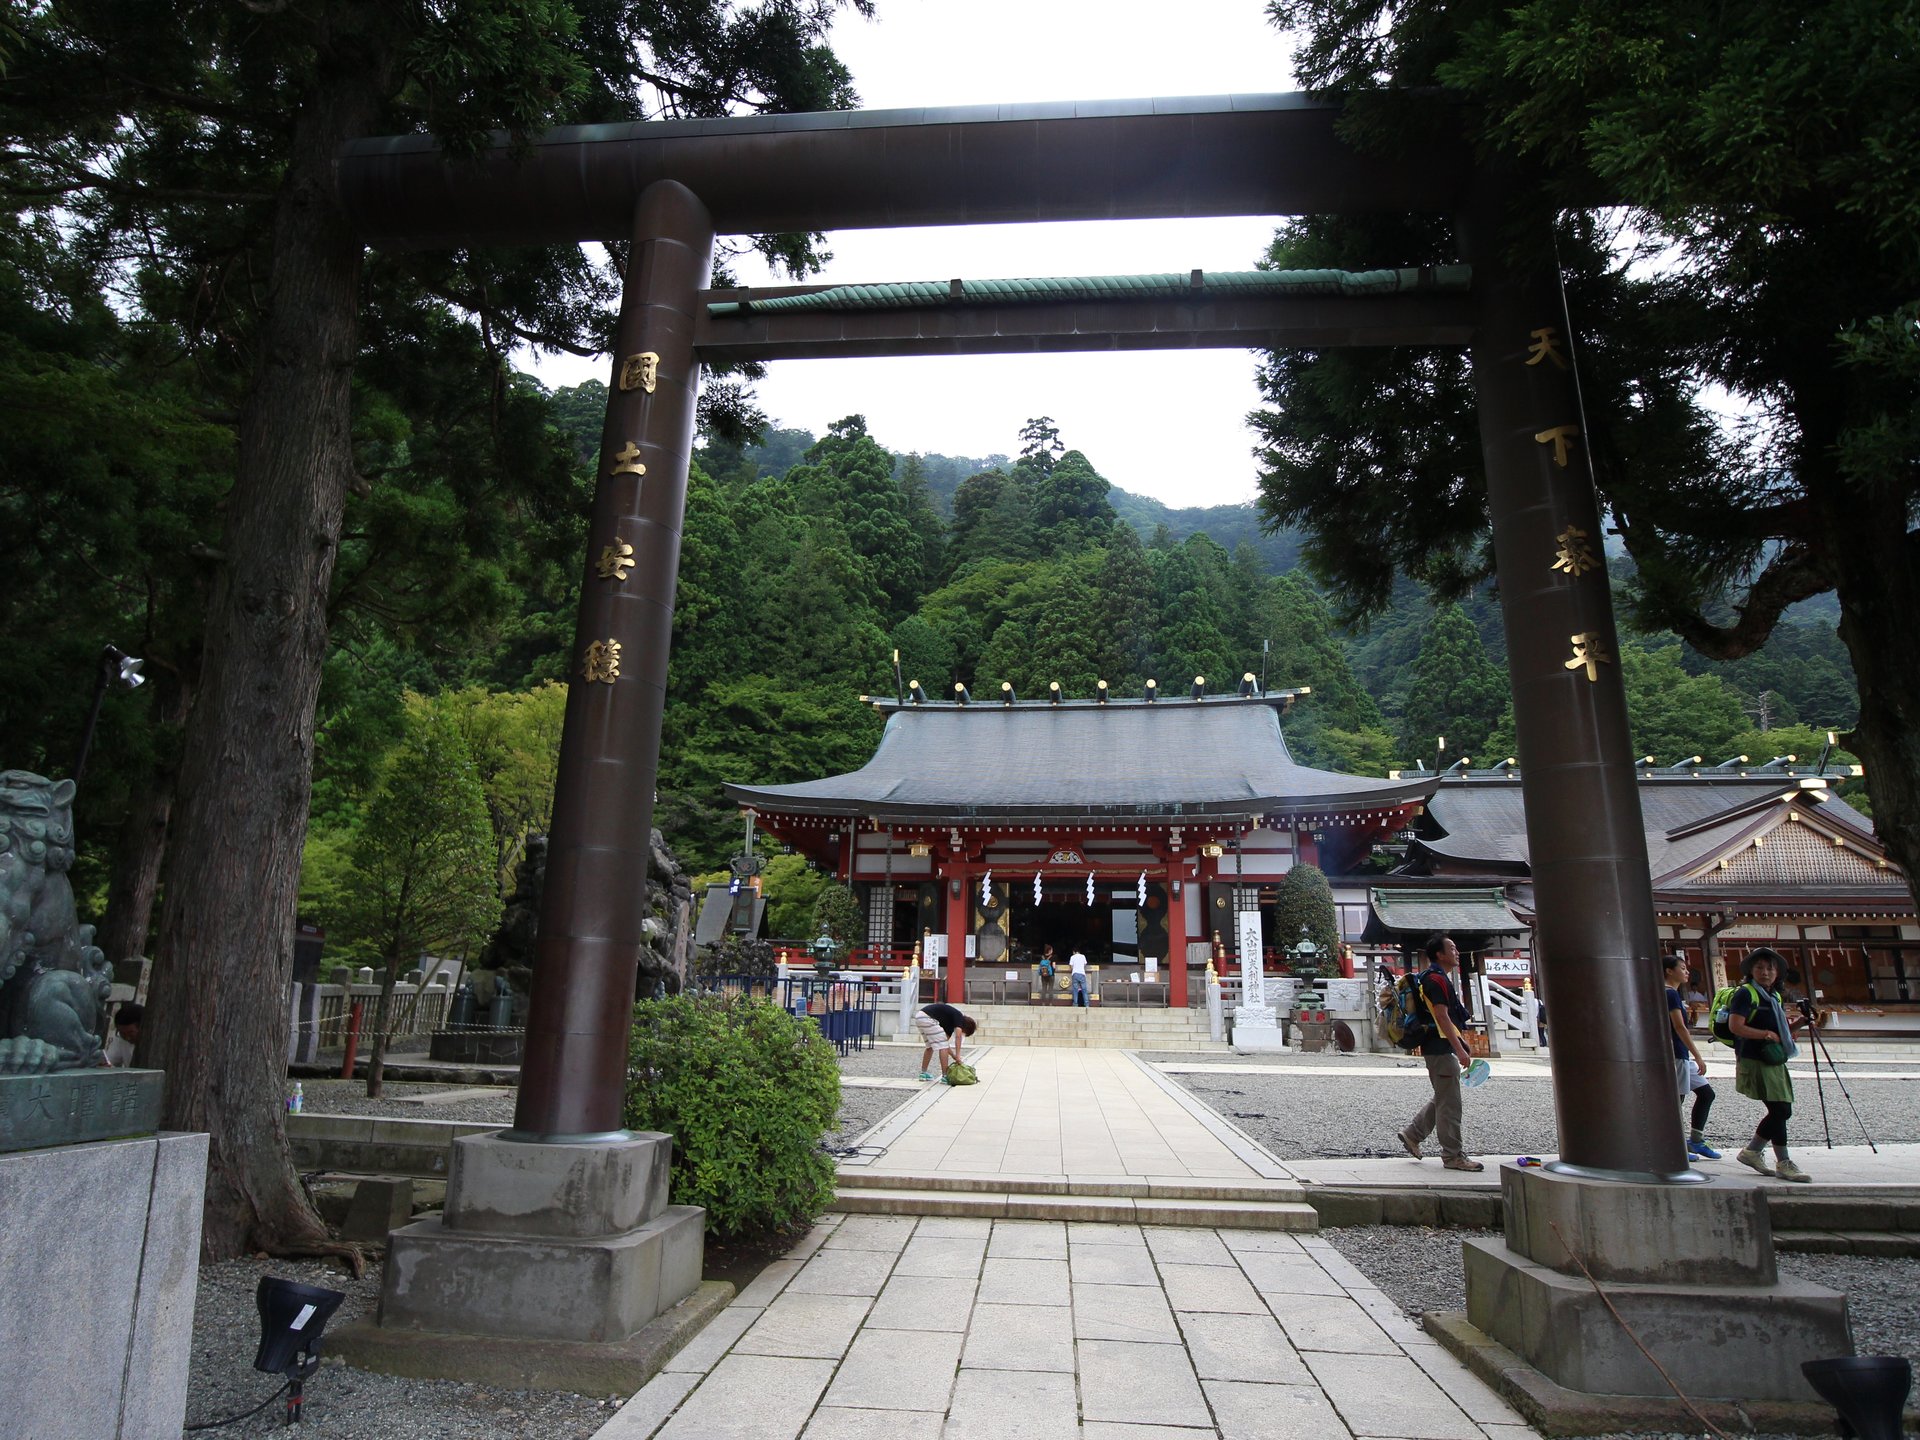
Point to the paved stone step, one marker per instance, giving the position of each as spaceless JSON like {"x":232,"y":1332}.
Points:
{"x":1113,"y":1210}
{"x":1901,"y":1244}
{"x":1111,"y":1187}
{"x":1157,"y":1047}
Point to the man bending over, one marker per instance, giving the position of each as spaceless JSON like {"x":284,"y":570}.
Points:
{"x":942,"y":1027}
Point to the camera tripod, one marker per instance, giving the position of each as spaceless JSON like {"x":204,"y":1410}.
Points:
{"x":1817,"y":1047}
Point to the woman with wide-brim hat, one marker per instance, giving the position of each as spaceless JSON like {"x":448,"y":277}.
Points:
{"x":1763,"y":1043}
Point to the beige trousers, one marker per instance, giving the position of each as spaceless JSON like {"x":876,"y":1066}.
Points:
{"x":1442,"y":1112}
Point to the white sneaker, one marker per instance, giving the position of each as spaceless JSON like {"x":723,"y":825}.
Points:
{"x":1754,"y":1160}
{"x":1787,"y":1170}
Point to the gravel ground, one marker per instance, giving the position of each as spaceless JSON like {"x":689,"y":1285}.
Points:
{"x":860,"y":1111}
{"x":884,"y":1061}
{"x":1300,"y":1117}
{"x":1421,"y":1270}
{"x":344,"y":1404}
{"x":349,"y":1097}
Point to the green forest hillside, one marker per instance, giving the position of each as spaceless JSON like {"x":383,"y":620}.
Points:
{"x":807,"y":562}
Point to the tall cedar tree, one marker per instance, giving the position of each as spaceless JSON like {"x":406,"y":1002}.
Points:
{"x":194,"y":145}
{"x":424,"y":872}
{"x":1457,"y":692}
{"x":1767,"y":157}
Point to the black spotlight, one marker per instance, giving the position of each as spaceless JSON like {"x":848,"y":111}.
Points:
{"x":291,"y":1319}
{"x":1869,"y":1391}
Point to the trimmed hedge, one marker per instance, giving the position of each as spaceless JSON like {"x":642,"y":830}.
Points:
{"x":746,"y":1090}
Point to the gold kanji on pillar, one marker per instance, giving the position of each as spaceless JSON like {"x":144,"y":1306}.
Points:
{"x":602,"y":662}
{"x":1546,"y":346}
{"x":1575,"y":555}
{"x":1560,"y":437}
{"x":1588,"y":654}
{"x":640,"y":372}
{"x":627,"y":461}
{"x":616,"y":560}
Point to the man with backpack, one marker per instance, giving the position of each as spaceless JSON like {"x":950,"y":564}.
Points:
{"x":1437,"y":1035}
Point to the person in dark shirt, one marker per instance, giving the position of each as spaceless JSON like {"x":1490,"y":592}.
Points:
{"x":942,"y":1027}
{"x":1687,"y":1062}
{"x":1762,"y":1045}
{"x":1445,"y":1048}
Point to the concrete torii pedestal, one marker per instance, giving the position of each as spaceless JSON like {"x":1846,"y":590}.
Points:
{"x":1690,"y":1267}
{"x":552,"y":1266}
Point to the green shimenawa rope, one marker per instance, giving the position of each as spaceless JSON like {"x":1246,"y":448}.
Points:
{"x":1210,"y":284}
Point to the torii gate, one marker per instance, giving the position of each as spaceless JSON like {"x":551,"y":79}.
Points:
{"x":671,"y":187}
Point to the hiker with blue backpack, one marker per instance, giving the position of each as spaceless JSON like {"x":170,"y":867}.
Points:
{"x":1436,"y":1029}
{"x":1754,"y":1017}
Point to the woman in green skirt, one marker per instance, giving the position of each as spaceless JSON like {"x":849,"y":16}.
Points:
{"x":1763,"y":1043}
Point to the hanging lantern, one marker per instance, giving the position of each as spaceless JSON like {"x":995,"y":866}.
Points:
{"x":986,"y":890}
{"x":1036,"y":887}
{"x":1089,"y":887}
{"x":1140,"y":889}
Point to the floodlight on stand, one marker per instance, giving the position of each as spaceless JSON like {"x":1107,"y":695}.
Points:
{"x":1869,"y":1391}
{"x":292,"y":1316}
{"x":128,"y":667}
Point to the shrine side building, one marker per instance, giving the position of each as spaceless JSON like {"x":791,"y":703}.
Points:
{"x":1740,"y":856}
{"x":1128,"y":829}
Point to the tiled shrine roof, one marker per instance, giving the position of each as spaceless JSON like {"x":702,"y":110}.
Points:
{"x":1755,"y":834}
{"x":1167,"y":759}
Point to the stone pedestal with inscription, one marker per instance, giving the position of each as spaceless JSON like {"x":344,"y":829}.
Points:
{"x":1256,"y":1024}
{"x":99,"y":1273}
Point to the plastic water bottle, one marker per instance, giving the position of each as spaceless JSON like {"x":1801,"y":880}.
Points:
{"x":297,"y":1101}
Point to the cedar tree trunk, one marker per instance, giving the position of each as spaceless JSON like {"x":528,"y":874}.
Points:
{"x":217,"y":1022}
{"x":143,"y":840}
{"x":1876,"y":567}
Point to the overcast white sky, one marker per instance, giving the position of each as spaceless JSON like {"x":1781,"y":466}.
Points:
{"x":1198,"y":450}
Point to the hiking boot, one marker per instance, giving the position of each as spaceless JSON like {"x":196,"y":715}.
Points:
{"x":1754,"y":1160}
{"x":1461,"y":1162}
{"x":1787,"y":1170}
{"x":1412,"y":1147}
{"x":1700,"y":1150}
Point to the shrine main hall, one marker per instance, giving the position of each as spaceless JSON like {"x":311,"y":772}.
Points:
{"x":1122,"y":828}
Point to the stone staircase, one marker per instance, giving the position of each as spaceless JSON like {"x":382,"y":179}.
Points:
{"x":1103,"y":1027}
{"x":1217,"y":1204}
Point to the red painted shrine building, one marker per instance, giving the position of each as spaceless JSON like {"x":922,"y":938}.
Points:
{"x":1122,"y":828}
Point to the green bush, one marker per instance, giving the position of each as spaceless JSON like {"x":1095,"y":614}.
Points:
{"x":746,"y":1090}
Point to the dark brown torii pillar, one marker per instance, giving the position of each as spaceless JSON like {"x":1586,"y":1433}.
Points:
{"x":573,"y":1077}
{"x":1596,"y":937}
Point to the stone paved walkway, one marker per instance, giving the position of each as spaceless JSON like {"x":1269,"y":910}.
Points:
{"x":1043,"y":1111}
{"x":915,"y":1329}
{"x":940,"y":1328}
